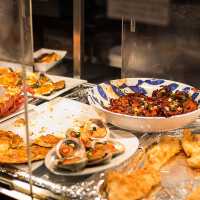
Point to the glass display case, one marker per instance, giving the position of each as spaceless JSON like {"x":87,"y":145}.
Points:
{"x":49,"y":134}
{"x":163,"y":44}
{"x":21,"y":178}
{"x":16,"y":31}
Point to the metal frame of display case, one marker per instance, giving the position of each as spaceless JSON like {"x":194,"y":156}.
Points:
{"x":19,"y":15}
{"x":78,"y":37}
{"x":132,"y":25}
{"x":16,"y":25}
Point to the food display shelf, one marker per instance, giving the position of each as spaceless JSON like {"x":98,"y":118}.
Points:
{"x":14,"y":181}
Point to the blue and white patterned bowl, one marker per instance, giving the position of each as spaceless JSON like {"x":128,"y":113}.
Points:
{"x":100,"y":96}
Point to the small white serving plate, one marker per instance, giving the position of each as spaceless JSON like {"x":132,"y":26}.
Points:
{"x":70,"y":83}
{"x":53,"y":117}
{"x":43,"y":67}
{"x":130,"y":142}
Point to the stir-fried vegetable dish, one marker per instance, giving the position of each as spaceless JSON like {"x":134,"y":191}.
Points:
{"x":162,"y":103}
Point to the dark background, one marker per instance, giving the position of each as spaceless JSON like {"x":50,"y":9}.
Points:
{"x":174,"y":51}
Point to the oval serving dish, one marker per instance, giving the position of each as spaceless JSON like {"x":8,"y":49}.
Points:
{"x":100,"y":96}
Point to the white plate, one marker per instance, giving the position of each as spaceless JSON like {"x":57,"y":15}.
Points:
{"x":130,"y":142}
{"x":53,"y":117}
{"x":43,"y":67}
{"x":70,"y":83}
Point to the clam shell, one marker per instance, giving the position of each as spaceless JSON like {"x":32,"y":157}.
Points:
{"x":98,"y":123}
{"x":71,"y":162}
{"x":106,"y":155}
{"x":70,"y":131}
{"x":90,"y":131}
{"x":92,"y":125}
{"x":72,"y":166}
{"x":104,"y":160}
{"x":78,"y":151}
{"x":119,"y":147}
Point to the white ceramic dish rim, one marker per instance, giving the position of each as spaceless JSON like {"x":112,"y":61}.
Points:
{"x":142,"y":117}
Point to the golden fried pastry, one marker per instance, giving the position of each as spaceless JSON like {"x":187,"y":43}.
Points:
{"x":133,"y":186}
{"x":47,"y":140}
{"x":8,"y":140}
{"x":160,"y":153}
{"x":4,"y":144}
{"x":16,"y":141}
{"x":190,"y":143}
{"x":4,"y":70}
{"x":20,"y":122}
{"x":194,"y":161}
{"x":195,"y":195}
{"x":13,"y":151}
{"x":38,"y":152}
{"x":10,"y":79}
{"x":17,"y":156}
{"x":191,"y":147}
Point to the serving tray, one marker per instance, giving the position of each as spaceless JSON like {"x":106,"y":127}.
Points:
{"x":87,"y":187}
